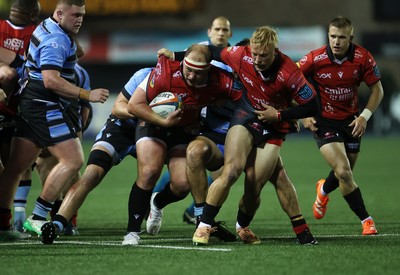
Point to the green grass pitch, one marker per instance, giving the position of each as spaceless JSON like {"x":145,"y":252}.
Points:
{"x":102,"y":222}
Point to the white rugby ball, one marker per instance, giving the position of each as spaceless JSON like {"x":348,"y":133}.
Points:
{"x":165,"y":103}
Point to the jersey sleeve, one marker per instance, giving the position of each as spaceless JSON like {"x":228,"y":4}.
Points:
{"x":159,"y":79}
{"x":302,"y":91}
{"x":306,"y":64}
{"x":53,"y":53}
{"x":371,"y":73}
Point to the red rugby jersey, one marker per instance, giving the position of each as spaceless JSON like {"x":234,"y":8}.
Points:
{"x":337,"y":82}
{"x":167,"y":76}
{"x":16,"y":39}
{"x":281,"y":87}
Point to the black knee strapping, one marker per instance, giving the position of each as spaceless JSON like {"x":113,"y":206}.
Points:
{"x":101,"y":159}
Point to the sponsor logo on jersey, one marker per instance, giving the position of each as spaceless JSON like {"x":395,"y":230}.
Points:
{"x":320,"y":57}
{"x":305,"y":92}
{"x":340,"y":74}
{"x":248,"y":80}
{"x":324,"y":75}
{"x":14,"y":44}
{"x":248,"y":59}
{"x":302,"y":61}
{"x":376,"y":71}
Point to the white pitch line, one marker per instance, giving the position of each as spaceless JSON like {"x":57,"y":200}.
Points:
{"x":119,"y":244}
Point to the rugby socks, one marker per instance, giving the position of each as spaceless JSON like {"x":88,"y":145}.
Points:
{"x":198,"y":209}
{"x":209,"y":213}
{"x":330,"y":184}
{"x":162,"y":182}
{"x":60,"y":222}
{"x":5,"y":218}
{"x":55,"y":208}
{"x":243,"y":220}
{"x":298,"y":223}
{"x":20,"y":200}
{"x":74,"y":219}
{"x":165,"y":197}
{"x":209,"y":180}
{"x":138,"y":207}
{"x":42,"y":208}
{"x":356,"y":203}
{"x":191,"y":209}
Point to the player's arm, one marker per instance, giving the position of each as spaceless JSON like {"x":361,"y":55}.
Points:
{"x":359,"y":124}
{"x":139,"y":107}
{"x":52,"y":80}
{"x":120,"y":107}
{"x":302,"y":110}
{"x":10,"y":58}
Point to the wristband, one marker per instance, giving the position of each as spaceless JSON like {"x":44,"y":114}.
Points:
{"x":17,"y":62}
{"x":366,"y":114}
{"x":84,"y":94}
{"x":279,"y":115}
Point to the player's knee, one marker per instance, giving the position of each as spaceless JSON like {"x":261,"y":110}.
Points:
{"x":344,"y":174}
{"x":197,"y":151}
{"x":101,"y":159}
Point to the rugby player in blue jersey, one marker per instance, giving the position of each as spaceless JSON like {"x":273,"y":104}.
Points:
{"x":43,"y":121}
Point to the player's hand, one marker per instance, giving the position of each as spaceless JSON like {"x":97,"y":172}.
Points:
{"x":173,"y":118}
{"x":7,"y":73}
{"x":359,"y":125}
{"x":167,"y":53}
{"x":99,"y":95}
{"x":270,"y":114}
{"x":310,"y":124}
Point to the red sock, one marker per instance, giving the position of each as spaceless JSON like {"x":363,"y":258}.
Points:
{"x":5,"y":220}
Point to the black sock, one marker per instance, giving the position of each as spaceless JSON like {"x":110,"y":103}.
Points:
{"x":5,"y":218}
{"x":331,"y":183}
{"x":138,"y":207}
{"x":356,"y":203}
{"x":166,"y":197}
{"x":55,"y":208}
{"x":209,"y":213}
{"x":243,"y":219}
{"x":60,"y":219}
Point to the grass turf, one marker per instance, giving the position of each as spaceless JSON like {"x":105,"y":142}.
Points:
{"x":341,"y":249}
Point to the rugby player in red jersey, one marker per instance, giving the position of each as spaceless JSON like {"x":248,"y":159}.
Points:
{"x":337,"y":70}
{"x":258,"y":128}
{"x":164,"y":140}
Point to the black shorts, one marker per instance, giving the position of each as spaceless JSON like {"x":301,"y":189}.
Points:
{"x":72,"y":108}
{"x":215,"y":137}
{"x":262,"y":132}
{"x":170,"y":136}
{"x":330,"y":130}
{"x":7,"y":127}
{"x":45,"y":123}
{"x":118,"y":138}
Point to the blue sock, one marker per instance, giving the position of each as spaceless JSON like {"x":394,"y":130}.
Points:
{"x":210,"y":180}
{"x":22,"y":193}
{"x":190,"y":209}
{"x":42,"y":208}
{"x":162,"y":182}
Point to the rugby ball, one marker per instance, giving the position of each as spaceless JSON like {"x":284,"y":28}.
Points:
{"x":165,"y":103}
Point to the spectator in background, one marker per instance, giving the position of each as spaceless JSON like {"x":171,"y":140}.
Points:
{"x":337,"y":70}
